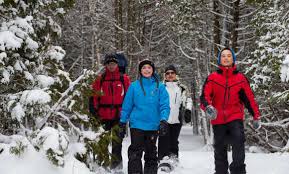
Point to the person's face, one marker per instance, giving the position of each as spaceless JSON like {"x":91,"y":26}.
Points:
{"x":170,"y":76}
{"x":111,"y":66}
{"x":147,"y":71}
{"x":226,"y":58}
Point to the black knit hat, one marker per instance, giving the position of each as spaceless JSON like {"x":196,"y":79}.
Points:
{"x":110,"y":58}
{"x":172,"y":68}
{"x":146,"y":62}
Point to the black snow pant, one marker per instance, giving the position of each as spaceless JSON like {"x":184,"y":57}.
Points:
{"x":142,"y":141}
{"x":116,"y":161}
{"x":231,"y":133}
{"x":168,"y":145}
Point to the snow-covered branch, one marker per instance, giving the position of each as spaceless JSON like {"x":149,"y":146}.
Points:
{"x":55,"y":107}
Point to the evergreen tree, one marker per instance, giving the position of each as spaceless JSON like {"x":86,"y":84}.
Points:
{"x":272,"y":30}
{"x":41,"y":107}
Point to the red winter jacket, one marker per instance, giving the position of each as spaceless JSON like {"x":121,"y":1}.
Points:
{"x":229,"y":91}
{"x":112,"y":91}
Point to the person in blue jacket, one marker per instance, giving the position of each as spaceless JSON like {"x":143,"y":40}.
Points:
{"x":146,"y":107}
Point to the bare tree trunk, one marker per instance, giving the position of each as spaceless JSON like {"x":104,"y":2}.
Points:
{"x":216,"y":27}
{"x":236,"y":15}
{"x":118,"y":17}
{"x":194,"y":113}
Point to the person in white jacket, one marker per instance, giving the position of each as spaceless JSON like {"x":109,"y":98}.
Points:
{"x":168,"y":145}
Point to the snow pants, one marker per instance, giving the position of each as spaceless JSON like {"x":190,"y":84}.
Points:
{"x":168,"y":145}
{"x":116,"y":162}
{"x":142,"y":141}
{"x":224,"y":134}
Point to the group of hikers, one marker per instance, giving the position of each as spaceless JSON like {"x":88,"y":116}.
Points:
{"x":156,"y":110}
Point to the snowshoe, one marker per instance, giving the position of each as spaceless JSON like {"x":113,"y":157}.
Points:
{"x":165,"y":167}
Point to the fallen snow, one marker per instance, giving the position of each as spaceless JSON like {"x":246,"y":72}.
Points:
{"x":194,"y":159}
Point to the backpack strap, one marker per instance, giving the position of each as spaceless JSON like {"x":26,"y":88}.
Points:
{"x":102,"y":77}
{"x":121,"y":78}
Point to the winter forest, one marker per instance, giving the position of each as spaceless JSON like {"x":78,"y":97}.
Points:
{"x":52,"y":50}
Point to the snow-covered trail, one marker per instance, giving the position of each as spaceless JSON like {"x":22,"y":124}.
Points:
{"x":194,"y":159}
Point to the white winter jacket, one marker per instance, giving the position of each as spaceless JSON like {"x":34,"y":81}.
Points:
{"x":177,"y":97}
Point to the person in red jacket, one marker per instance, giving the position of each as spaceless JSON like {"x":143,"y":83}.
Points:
{"x":112,"y":86}
{"x":225,"y":93}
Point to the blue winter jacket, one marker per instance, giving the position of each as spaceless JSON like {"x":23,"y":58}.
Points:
{"x":145,"y":111}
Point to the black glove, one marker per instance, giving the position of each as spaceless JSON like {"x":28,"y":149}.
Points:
{"x":187,"y":116}
{"x":211,"y":112}
{"x":164,"y":127}
{"x":122,"y":129}
{"x":256,"y":124}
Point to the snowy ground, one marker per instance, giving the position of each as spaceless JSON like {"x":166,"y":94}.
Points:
{"x":193,"y":160}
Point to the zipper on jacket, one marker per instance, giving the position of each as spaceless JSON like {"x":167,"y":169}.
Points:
{"x":225,"y":95}
{"x":176,"y":97}
{"x":111,"y":87}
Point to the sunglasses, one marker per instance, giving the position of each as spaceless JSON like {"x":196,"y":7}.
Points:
{"x":170,"y":72}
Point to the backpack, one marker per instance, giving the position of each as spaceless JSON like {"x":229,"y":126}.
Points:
{"x":92,"y":110}
{"x":122,"y":62}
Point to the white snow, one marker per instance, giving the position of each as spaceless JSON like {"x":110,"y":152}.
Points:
{"x":6,"y":76}
{"x":45,"y":81}
{"x":37,"y":96}
{"x":15,"y":32}
{"x":2,"y":56}
{"x":50,"y":138}
{"x":78,"y":148}
{"x":31,"y":44}
{"x":9,"y":40}
{"x":193,"y":159}
{"x":60,"y":10}
{"x":17,"y":66}
{"x":56,"y":53}
{"x":28,"y":76}
{"x":90,"y":135}
{"x":285,"y":70}
{"x":196,"y":159}
{"x":33,"y":162}
{"x":17,"y":112}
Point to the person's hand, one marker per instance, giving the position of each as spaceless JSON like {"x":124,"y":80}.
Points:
{"x":256,"y":124}
{"x":164,"y":126}
{"x":211,"y":112}
{"x":122,"y":129}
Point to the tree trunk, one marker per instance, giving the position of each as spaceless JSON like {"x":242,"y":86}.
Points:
{"x":216,"y":27}
{"x":236,"y":15}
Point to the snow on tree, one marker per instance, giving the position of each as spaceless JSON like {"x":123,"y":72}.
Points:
{"x":268,"y":72}
{"x":39,"y":101}
{"x":285,"y":69}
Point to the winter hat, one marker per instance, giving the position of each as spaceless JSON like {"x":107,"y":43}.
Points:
{"x":146,"y":62}
{"x":172,"y":68}
{"x":233,"y":54}
{"x":110,"y":58}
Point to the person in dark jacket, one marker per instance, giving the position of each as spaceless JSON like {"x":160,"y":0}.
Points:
{"x":112,"y":86}
{"x":146,"y":107}
{"x":225,"y":93}
{"x":168,"y":145}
